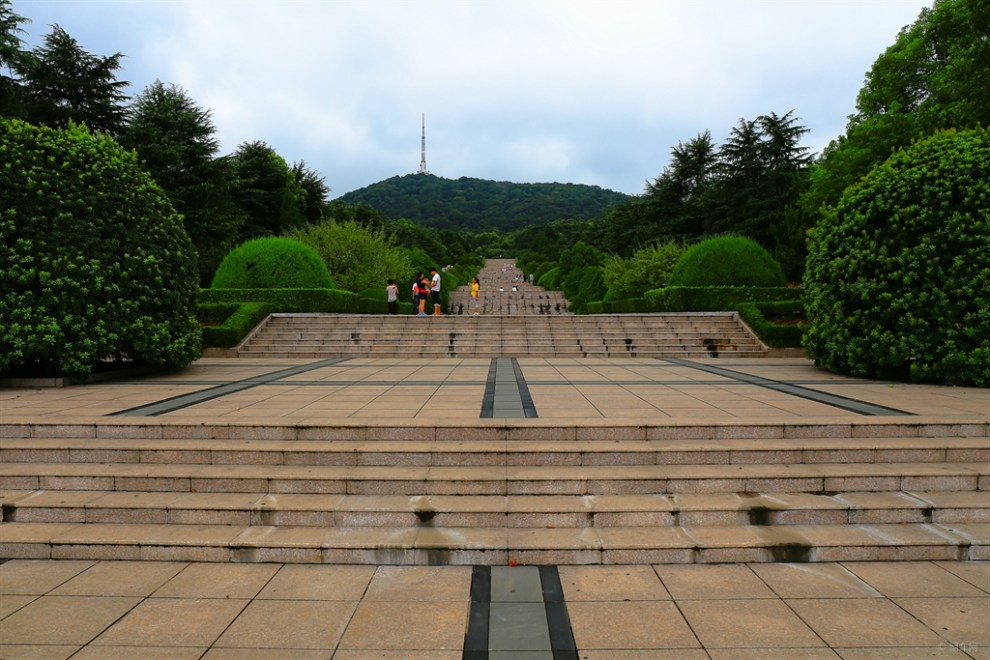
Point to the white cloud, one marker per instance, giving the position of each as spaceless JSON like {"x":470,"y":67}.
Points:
{"x":593,"y":92}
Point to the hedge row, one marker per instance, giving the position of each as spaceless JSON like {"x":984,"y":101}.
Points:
{"x":626,"y":306}
{"x":763,"y":318}
{"x":298,"y":300}
{"x":694,"y":299}
{"x":239,"y":310}
{"x":713,"y":299}
{"x":236,"y":321}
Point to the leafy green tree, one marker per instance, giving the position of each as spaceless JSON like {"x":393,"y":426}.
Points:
{"x":577,"y":257}
{"x":631,"y":224}
{"x":265,"y":189}
{"x":933,"y":77}
{"x":358,"y":258}
{"x":94,"y":260}
{"x":176,"y":142}
{"x":898,"y":281}
{"x":63,"y":83}
{"x":648,"y":268}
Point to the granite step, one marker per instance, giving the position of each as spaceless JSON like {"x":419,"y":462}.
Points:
{"x":426,"y":545}
{"x":494,"y":452}
{"x":498,"y":480}
{"x":682,"y":335}
{"x":537,"y":511}
{"x":143,"y":489}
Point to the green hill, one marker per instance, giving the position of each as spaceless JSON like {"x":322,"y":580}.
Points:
{"x":482,"y":205}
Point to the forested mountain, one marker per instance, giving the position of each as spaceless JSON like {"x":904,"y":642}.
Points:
{"x":482,"y":205}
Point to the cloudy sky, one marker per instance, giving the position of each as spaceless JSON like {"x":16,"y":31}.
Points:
{"x":572,"y":92}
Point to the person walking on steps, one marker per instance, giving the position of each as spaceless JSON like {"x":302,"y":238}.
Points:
{"x":435,"y":291}
{"x":475,"y":293}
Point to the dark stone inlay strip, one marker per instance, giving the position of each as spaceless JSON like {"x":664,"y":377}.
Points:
{"x":506,"y":392}
{"x":185,"y":400}
{"x":529,"y":408}
{"x":324,"y":383}
{"x":476,"y":637}
{"x":561,"y":636}
{"x":488,"y":402}
{"x":845,"y":403}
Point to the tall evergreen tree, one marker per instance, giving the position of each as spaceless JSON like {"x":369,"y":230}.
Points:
{"x":680,"y":195}
{"x":265,"y":189}
{"x":64,"y":83}
{"x":315,"y":190}
{"x":760,"y":165}
{"x":13,"y":61}
{"x":176,"y":141}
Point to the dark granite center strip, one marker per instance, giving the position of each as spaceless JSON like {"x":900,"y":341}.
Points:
{"x":185,"y":400}
{"x":476,"y":638}
{"x":503,"y":623}
{"x":559,"y":622}
{"x":845,"y":403}
{"x":506,"y":392}
{"x":527,"y":400}
{"x":488,"y":402}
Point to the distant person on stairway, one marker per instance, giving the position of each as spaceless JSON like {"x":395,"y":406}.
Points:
{"x":415,"y":292}
{"x":475,"y":292}
{"x":435,"y":291}
{"x":392,"y":295}
{"x":424,"y":293}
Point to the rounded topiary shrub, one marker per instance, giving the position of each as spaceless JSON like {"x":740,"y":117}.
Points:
{"x":898,"y":273}
{"x":94,"y":261}
{"x":272,"y":263}
{"x":727,"y":261}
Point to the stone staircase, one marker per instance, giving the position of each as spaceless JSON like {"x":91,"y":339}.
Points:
{"x":689,"y":335}
{"x":496,"y":493}
{"x":506,"y":291}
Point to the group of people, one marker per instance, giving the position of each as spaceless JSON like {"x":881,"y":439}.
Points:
{"x":424,"y":288}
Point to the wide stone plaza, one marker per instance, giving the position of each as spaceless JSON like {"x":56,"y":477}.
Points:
{"x":61,"y":596}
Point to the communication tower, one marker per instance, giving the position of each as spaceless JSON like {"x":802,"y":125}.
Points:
{"x":422,"y":156}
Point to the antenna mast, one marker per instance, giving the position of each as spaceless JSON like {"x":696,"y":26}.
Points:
{"x":422,"y":157}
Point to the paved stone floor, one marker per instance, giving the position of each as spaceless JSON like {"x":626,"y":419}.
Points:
{"x":86,"y":609}
{"x":582,"y":391}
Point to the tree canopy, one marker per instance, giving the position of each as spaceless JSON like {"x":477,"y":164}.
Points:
{"x":482,"y":205}
{"x":933,"y":77}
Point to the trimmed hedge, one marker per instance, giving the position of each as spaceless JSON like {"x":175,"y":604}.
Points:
{"x":272,"y":263}
{"x":626,"y":306}
{"x":727,"y":261}
{"x":237,"y":322}
{"x":776,"y":335}
{"x":298,"y":300}
{"x":714,"y":299}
